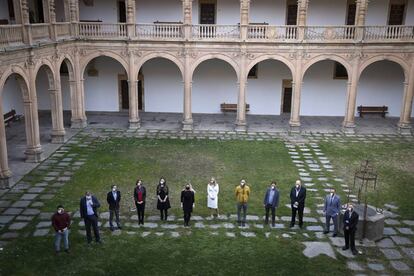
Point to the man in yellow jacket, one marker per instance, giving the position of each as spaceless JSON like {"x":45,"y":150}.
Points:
{"x":242,"y":196}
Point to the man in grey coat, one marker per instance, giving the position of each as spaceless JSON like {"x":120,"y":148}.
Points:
{"x":271,"y":202}
{"x":331,"y":209}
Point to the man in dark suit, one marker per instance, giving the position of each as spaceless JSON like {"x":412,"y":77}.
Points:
{"x":88,"y":211}
{"x":332,"y":207}
{"x":271,"y":202}
{"x":297,"y":202}
{"x":140,"y":194}
{"x":113,"y":198}
{"x":350,"y":226}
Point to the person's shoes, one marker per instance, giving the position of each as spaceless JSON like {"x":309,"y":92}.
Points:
{"x":292,"y":225}
{"x":99,"y":242}
{"x":273,"y":224}
{"x":300,"y":226}
{"x":354,"y":252}
{"x":67,"y":251}
{"x":345,"y":248}
{"x":334,"y":235}
{"x":325,"y":232}
{"x":111,"y":228}
{"x":119,"y":227}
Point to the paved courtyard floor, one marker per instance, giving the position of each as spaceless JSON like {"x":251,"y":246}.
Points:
{"x":21,"y":205}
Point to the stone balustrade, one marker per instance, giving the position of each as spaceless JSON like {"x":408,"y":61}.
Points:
{"x":12,"y":35}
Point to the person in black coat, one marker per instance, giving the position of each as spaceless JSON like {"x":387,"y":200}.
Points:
{"x":163,"y":201}
{"x":89,"y":205}
{"x":140,"y":193}
{"x":187,"y":203}
{"x":271,"y":202}
{"x":114,"y":198}
{"x":350,"y":226}
{"x":297,"y":202}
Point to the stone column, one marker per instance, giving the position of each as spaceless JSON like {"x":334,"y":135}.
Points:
{"x":187,"y":18}
{"x":24,"y":12}
{"x":348,"y":125}
{"x":66,"y":5}
{"x":74,"y":16}
{"x":78,"y":107}
{"x":5,"y":172}
{"x":302,"y":17}
{"x":131,"y":17}
{"x":244,"y":18}
{"x":134,"y":120}
{"x":188,"y":82}
{"x":58,"y":129}
{"x":241,"y":125}
{"x":50,"y":17}
{"x":404,"y":125}
{"x":297,"y":90}
{"x":360,"y":15}
{"x":33,"y":150}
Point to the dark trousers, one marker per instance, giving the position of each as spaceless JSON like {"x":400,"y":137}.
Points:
{"x":268,"y":208}
{"x":299,"y":210}
{"x":140,"y":211}
{"x":113,"y":212}
{"x":241,"y":207}
{"x":92,"y":221}
{"x":187,"y":216}
{"x":164,"y":214}
{"x":328,"y":223}
{"x":350,"y":238}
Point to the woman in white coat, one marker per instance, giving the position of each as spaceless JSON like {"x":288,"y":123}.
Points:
{"x":212,"y":197}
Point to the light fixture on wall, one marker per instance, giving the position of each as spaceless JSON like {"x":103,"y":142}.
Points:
{"x":92,"y":72}
{"x":88,"y":3}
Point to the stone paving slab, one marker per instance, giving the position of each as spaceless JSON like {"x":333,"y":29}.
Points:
{"x":400,"y":266}
{"x":401,"y":240}
{"x":41,"y":232}
{"x":391,"y":254}
{"x":314,"y":249}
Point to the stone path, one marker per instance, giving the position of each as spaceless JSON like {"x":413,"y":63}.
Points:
{"x":21,"y":205}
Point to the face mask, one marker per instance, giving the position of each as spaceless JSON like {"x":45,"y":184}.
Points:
{"x":297,"y":186}
{"x":60,"y":211}
{"x":242,"y":183}
{"x":332,"y":194}
{"x":350,"y":209}
{"x":162,"y":181}
{"x":114,"y":189}
{"x":273,"y":187}
{"x":88,"y":197}
{"x":187,"y":188}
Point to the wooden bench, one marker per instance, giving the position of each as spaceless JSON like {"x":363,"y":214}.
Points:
{"x":373,"y":110}
{"x":9,"y":117}
{"x":225,"y":107}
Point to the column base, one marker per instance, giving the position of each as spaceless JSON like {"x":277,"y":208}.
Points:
{"x":348,"y":128}
{"x":188,"y":125}
{"x":405,"y":129}
{"x":58,"y":137}
{"x":78,"y":123}
{"x":4,"y":180}
{"x":294,"y":127}
{"x":134,"y":124}
{"x":34,"y":155}
{"x":241,"y":127}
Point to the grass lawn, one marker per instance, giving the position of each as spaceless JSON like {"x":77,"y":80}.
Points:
{"x":196,"y":251}
{"x":394,"y":163}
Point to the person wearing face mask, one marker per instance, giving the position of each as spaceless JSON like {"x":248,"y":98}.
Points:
{"x":332,"y":207}
{"x":140,"y":194}
{"x":212,"y":197}
{"x":61,"y":224}
{"x":271,"y":202}
{"x":297,"y":202}
{"x":187,"y":203}
{"x":113,"y":198}
{"x":242,"y":196}
{"x":163,"y":201}
{"x":89,"y":205}
{"x":350,"y":221}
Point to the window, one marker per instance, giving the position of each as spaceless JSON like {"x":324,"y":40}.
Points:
{"x":207,"y":12}
{"x":351,"y":12}
{"x":11,"y":10}
{"x":253,"y":72}
{"x":291,"y":12}
{"x":121,"y":12}
{"x":340,"y":71}
{"x":396,"y":12}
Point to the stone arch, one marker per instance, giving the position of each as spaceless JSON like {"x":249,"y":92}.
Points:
{"x":110,"y":54}
{"x":50,"y":72}
{"x":69,"y":63}
{"x":222,"y":57}
{"x":22,"y":80}
{"x":261,"y":58}
{"x":167,"y":56}
{"x":401,"y":62}
{"x":319,"y":58}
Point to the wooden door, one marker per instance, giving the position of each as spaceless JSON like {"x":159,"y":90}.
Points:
{"x":207,"y":13}
{"x":291,"y":14}
{"x":124,"y":95}
{"x":121,"y":11}
{"x":396,"y":16}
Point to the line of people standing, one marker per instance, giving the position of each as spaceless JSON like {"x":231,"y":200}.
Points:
{"x":89,"y":205}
